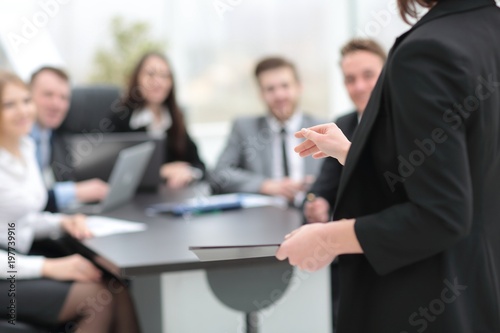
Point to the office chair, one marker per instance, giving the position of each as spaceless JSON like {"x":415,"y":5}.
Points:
{"x":5,"y":327}
{"x":21,"y":327}
{"x":91,"y":109}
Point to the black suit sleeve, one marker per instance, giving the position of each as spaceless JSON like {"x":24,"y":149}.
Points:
{"x":51,"y":202}
{"x":328,"y":181}
{"x":427,"y":79}
{"x":192,"y":156}
{"x":120,"y":120}
{"x":61,"y":159}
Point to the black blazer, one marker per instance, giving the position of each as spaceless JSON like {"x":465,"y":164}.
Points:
{"x":62,"y":168}
{"x":422,"y":179}
{"x":121,"y":123}
{"x":61,"y":158}
{"x":327,"y":183}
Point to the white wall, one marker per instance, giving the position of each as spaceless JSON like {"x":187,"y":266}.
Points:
{"x":379,"y":19}
{"x":24,"y":38}
{"x":83,"y":26}
{"x":78,"y":28}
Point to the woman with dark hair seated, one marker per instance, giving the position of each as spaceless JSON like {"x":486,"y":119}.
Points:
{"x":48,"y":292}
{"x":150,"y":106}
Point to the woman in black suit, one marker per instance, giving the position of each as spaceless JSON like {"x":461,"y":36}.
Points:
{"x":417,"y":215}
{"x":150,"y":105}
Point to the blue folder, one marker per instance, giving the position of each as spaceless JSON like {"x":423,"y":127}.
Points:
{"x":199,"y":205}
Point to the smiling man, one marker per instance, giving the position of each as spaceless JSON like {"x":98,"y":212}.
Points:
{"x":51,"y":93}
{"x":361,"y":64}
{"x":259,"y":157}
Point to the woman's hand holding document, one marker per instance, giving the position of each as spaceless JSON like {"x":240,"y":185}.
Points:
{"x":76,"y":225}
{"x":315,"y":246}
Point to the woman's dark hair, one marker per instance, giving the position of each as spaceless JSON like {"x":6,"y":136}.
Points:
{"x":408,"y":8}
{"x":134,"y":100}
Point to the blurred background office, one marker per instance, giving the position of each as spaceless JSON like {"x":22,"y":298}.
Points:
{"x":213,"y":47}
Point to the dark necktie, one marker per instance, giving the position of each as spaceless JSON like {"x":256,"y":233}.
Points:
{"x":286,"y":172}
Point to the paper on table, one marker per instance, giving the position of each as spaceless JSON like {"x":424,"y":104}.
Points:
{"x":104,"y":226}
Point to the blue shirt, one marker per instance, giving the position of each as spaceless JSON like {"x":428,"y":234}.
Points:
{"x":64,"y":192}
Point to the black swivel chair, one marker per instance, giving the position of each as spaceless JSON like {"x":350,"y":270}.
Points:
{"x":19,"y":327}
{"x":91,"y":109}
{"x":5,"y":327}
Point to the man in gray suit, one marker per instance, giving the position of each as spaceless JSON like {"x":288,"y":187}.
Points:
{"x":259,"y":156}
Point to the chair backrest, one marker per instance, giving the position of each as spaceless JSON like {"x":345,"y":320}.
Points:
{"x":6,"y":327}
{"x":91,"y":109}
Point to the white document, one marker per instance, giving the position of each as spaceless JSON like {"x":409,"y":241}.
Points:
{"x":104,"y":226}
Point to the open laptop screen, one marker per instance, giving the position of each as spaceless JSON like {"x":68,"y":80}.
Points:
{"x":94,"y":155}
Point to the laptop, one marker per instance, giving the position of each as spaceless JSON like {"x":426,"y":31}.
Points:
{"x":125,"y":177}
{"x":95,"y":156}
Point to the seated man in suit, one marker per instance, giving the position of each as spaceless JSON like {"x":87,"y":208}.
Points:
{"x":259,"y":156}
{"x":51,"y":93}
{"x":361,"y":63}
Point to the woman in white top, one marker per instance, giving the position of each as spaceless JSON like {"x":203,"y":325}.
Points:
{"x":34,"y":289}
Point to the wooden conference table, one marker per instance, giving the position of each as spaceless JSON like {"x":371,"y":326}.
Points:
{"x":163,"y":247}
